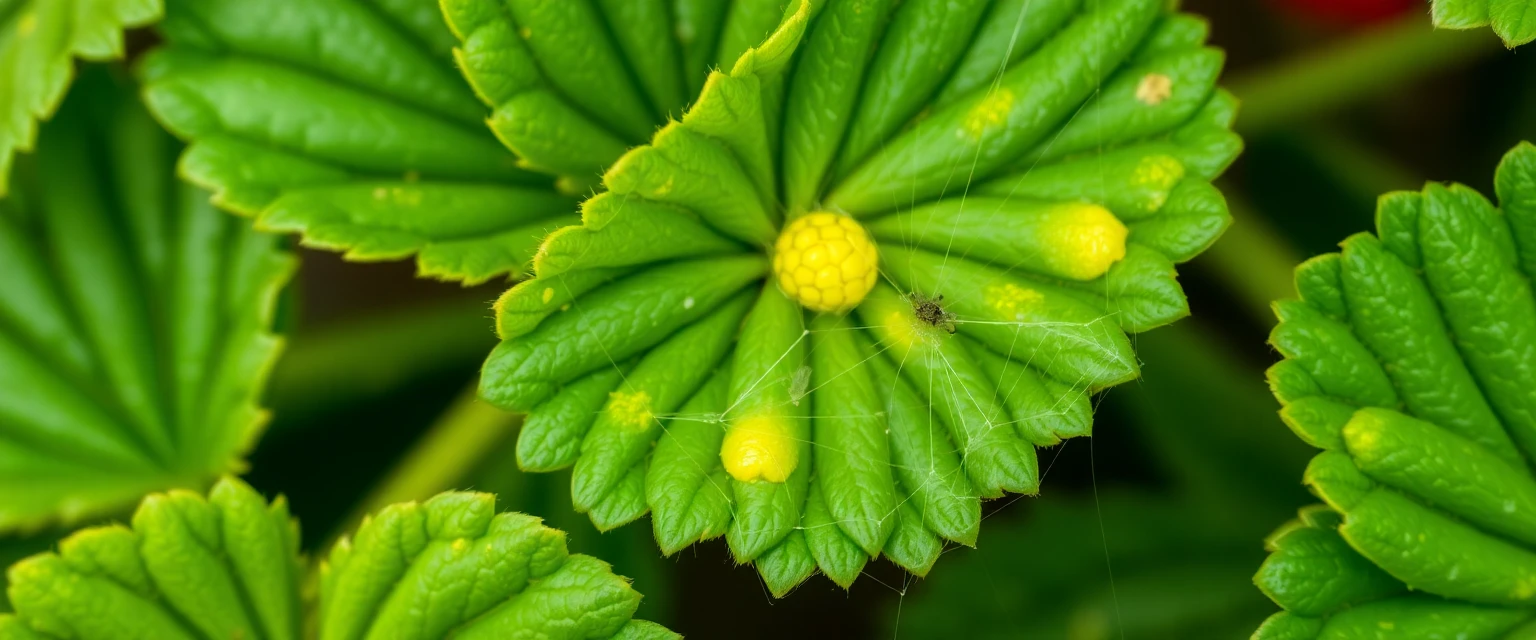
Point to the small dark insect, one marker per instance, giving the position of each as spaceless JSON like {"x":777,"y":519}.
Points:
{"x":931,"y":311}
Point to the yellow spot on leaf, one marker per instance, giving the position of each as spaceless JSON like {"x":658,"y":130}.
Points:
{"x":664,"y":188}
{"x":549,"y":294}
{"x":1363,"y":439}
{"x":903,"y":328}
{"x":1524,"y":588}
{"x":399,"y":196}
{"x":991,"y":113}
{"x":1154,"y":88}
{"x":1158,"y":174}
{"x":1011,"y":299}
{"x":1087,"y":239}
{"x":630,"y":409}
{"x":26,"y":25}
{"x":760,"y":449}
{"x":1158,"y":171}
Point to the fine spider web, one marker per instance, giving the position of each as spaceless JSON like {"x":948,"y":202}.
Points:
{"x":947,"y":385}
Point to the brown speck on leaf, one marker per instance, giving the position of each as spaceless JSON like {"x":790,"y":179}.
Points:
{"x":1154,"y":89}
{"x":931,"y":311}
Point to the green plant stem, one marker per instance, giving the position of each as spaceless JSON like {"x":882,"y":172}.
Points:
{"x":333,"y":365}
{"x":449,"y":451}
{"x":1355,"y":69}
{"x":1252,"y":261}
{"x":1358,"y":168}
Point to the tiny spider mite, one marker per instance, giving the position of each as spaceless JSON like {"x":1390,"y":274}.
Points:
{"x":931,"y":311}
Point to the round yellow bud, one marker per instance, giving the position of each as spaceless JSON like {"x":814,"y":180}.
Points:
{"x":826,"y":262}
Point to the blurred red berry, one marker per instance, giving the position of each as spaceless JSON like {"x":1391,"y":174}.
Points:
{"x":1349,"y":12}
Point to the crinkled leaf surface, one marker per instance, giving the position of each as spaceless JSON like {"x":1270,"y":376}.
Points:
{"x":1138,"y":565}
{"x":228,"y":566}
{"x":345,"y":121}
{"x":134,"y":321}
{"x":39,"y":41}
{"x":1410,"y":361}
{"x":1513,"y":20}
{"x":1043,"y":182}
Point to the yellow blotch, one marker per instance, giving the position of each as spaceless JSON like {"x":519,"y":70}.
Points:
{"x":760,"y":449}
{"x":1159,"y":173}
{"x":991,"y":113}
{"x":902,"y":328}
{"x":1154,"y":88}
{"x":26,"y":25}
{"x":1363,"y":432}
{"x":1011,"y":299}
{"x":549,"y":294}
{"x":665,"y":187}
{"x":1087,"y":239}
{"x":400,"y":196}
{"x":1361,"y":440}
{"x":630,"y":409}
{"x":460,"y":544}
{"x":1524,"y":588}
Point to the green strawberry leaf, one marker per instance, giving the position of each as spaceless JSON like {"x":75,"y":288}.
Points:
{"x":135,"y":323}
{"x":904,"y":277}
{"x":228,"y":566}
{"x":344,"y":121}
{"x":1409,"y":361}
{"x":452,"y":566}
{"x":1170,"y":565}
{"x":41,"y":40}
{"x":1513,"y":20}
{"x":222,"y":566}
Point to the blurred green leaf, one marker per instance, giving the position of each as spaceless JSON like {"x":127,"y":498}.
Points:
{"x":345,"y":121}
{"x":222,"y":566}
{"x":227,"y":566}
{"x":1513,"y":20}
{"x":39,"y":41}
{"x":134,"y":324}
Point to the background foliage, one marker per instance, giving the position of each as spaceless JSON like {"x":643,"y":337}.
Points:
{"x":371,"y":394}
